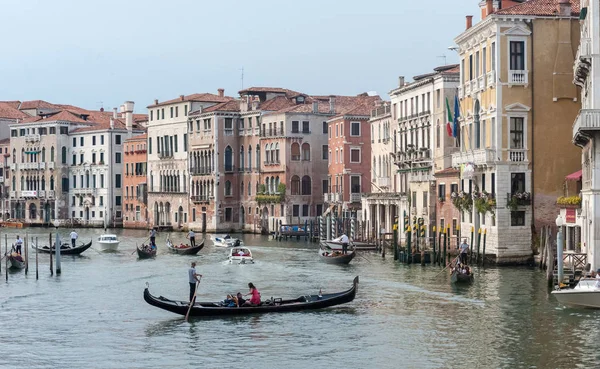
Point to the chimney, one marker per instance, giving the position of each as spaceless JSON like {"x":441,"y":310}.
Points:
{"x":401,"y":81}
{"x":181,"y":97}
{"x":332,"y":104}
{"x":221,"y":92}
{"x":101,"y":110}
{"x":315,"y":106}
{"x":128,"y":106}
{"x":112,"y":123}
{"x":564,"y":8}
{"x":115,"y":113}
{"x":469,"y":21}
{"x":255,"y":103}
{"x":155,"y":101}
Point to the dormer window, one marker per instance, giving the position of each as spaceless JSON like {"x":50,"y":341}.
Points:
{"x":300,"y":100}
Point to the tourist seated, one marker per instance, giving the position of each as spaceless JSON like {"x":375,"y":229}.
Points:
{"x":467,"y":271}
{"x":229,"y":302}
{"x":240,"y":299}
{"x":255,"y":296}
{"x":241,"y":253}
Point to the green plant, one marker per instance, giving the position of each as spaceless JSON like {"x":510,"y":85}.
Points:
{"x":262,"y":188}
{"x":484,"y":205}
{"x":571,"y":200}
{"x":462,"y":201}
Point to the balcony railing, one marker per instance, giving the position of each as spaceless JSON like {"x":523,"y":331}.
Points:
{"x":477,"y":157}
{"x":51,"y":165}
{"x":200,"y":171}
{"x":518,"y":77}
{"x":31,"y":193}
{"x":50,"y":194}
{"x":383,"y":182}
{"x":13,"y":194}
{"x":165,"y":154}
{"x":460,"y":92}
{"x":481,"y":82}
{"x":517,"y":155}
{"x":229,"y":168}
{"x":1,"y":179}
{"x":491,"y":78}
{"x":326,"y":197}
{"x":32,"y":138}
{"x":474,"y":86}
{"x":355,"y":197}
{"x":228,"y":132}
{"x":587,"y":120}
{"x":199,"y":198}
{"x":420,"y":176}
{"x":467,"y":88}
{"x":42,"y":194}
{"x":84,"y":191}
{"x":13,"y":166}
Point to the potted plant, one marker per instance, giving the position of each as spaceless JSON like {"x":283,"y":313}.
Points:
{"x":569,"y":202}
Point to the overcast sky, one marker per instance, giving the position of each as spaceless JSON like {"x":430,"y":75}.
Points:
{"x":93,"y":53}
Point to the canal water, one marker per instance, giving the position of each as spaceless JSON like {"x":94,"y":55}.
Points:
{"x":94,"y":315}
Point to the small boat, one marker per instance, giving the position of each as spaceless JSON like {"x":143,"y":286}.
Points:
{"x":240,"y":255}
{"x":146,"y":251}
{"x":331,"y":256}
{"x":225,"y":241}
{"x":15,"y":260}
{"x":185,"y":249}
{"x":358,"y":246}
{"x":458,"y":276}
{"x":277,"y":305}
{"x":585,"y":294}
{"x":108,"y":242}
{"x":65,"y":248}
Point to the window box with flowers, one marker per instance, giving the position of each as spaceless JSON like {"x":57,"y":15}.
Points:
{"x":462,"y":201}
{"x":484,"y":202}
{"x":571,"y":202}
{"x":517,"y":199}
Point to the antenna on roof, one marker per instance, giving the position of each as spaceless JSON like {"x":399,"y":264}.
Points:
{"x":242,"y":77}
{"x":443,"y":56}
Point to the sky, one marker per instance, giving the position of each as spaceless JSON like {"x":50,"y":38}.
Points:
{"x":101,"y":53}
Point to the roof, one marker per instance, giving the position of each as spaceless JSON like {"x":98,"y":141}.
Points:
{"x":232,"y":105}
{"x":36,"y":104}
{"x":63,"y":115}
{"x":141,"y":137}
{"x":202,"y":97}
{"x":5,"y":141}
{"x":276,"y":90}
{"x":8,"y":111}
{"x":447,"y":172}
{"x":539,"y":7}
{"x":14,"y":103}
{"x":574,"y":176}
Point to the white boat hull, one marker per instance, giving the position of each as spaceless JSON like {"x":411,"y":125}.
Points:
{"x":585,"y":294}
{"x":108,"y":246}
{"x":241,"y":259}
{"x":225,"y":242}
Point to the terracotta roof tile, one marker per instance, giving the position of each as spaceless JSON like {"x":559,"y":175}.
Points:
{"x":142,"y":137}
{"x":5,"y":141}
{"x":202,"y":97}
{"x":8,"y":111}
{"x":63,"y":115}
{"x":36,"y":104}
{"x":447,"y":172}
{"x":539,"y":7}
{"x":233,"y":105}
{"x":276,"y":90}
{"x":14,"y":103}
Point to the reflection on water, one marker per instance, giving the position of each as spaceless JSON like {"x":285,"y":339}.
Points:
{"x":403,"y":316}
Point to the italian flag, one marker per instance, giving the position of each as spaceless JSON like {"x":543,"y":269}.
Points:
{"x":449,"y":122}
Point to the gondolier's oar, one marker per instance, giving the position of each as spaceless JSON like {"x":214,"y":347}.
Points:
{"x":450,"y":263}
{"x":193,"y":300}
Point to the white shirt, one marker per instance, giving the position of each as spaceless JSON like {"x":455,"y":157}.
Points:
{"x":191,"y":234}
{"x":344,"y":239}
{"x":19,"y":242}
{"x":191,"y":276}
{"x":73,"y":235}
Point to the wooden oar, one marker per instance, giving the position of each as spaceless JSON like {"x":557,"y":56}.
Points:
{"x":450,"y":263}
{"x":136,"y":245}
{"x":193,"y":300}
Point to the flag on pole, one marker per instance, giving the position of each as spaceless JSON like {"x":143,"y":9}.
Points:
{"x":450,"y":120}
{"x":456,"y":130}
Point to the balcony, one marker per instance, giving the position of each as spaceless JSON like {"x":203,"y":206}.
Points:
{"x":481,"y":82}
{"x":32,"y":138}
{"x":477,"y":157}
{"x":228,"y":132}
{"x":42,"y":166}
{"x":491,"y":78}
{"x":13,"y":166}
{"x":467,"y":88}
{"x":420,"y":176}
{"x":460,"y":92}
{"x":202,"y":171}
{"x":30,"y":166}
{"x":1,"y":179}
{"x":256,"y":131}
{"x":383,"y":182}
{"x":51,"y":165}
{"x":13,"y":194}
{"x":587,"y":121}
{"x":28,"y":194}
{"x":84,"y":191}
{"x":165,"y":154}
{"x":582,"y":65}
{"x":326,"y":197}
{"x":355,"y":197}
{"x":42,"y":194}
{"x":474,"y":86}
{"x":199,"y":199}
{"x":517,"y":155}
{"x":518,"y":77}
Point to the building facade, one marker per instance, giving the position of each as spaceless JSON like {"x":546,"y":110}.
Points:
{"x":510,"y":116}
{"x":135,"y":182}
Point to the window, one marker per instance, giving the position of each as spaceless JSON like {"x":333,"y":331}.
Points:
{"x":81,"y":158}
{"x":438,"y":134}
{"x":93,"y":158}
{"x":171,"y":110}
{"x":325,"y":127}
{"x":185,"y":108}
{"x":516,"y":133}
{"x":442,"y":191}
{"x":355,"y":129}
{"x":517,"y":182}
{"x":324,"y":152}
{"x":151,"y":115}
{"x":228,"y":127}
{"x":319,"y":210}
{"x":295,"y":210}
{"x":93,"y":140}
{"x":305,"y":127}
{"x":65,"y":184}
{"x":295,"y":190}
{"x":329,"y":132}
{"x":355,"y":184}
{"x":118,"y":139}
{"x":355,"y":155}
{"x":73,"y":159}
{"x":74,"y":181}
{"x":425,"y":197}
{"x":295,"y":126}
{"x":517,"y":218}
{"x":117,"y":180}
{"x":482,"y":182}
{"x":101,"y":180}
{"x":101,"y":139}
{"x":306,"y":185}
{"x":228,"y":188}
{"x":305,"y":210}
{"x":517,"y":55}
{"x":118,"y":201}
{"x":176,"y":111}
{"x":493,"y":184}
{"x":306,"y":151}
{"x":101,"y":201}
{"x":101,"y":158}
{"x":325,"y":184}
{"x":175,"y":140}
{"x":228,"y":214}
{"x":117,"y":157}
{"x":295,"y":149}
{"x":493,"y":56}
{"x":74,"y":142}
{"x":64,"y":130}
{"x":484,"y":61}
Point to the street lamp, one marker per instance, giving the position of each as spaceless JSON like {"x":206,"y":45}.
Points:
{"x":559,"y":249}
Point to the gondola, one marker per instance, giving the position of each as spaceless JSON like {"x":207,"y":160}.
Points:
{"x":145,"y":252}
{"x":186,"y":250}
{"x":278,"y":305}
{"x":15,"y":260}
{"x":65,"y":248}
{"x":358,"y":246}
{"x":459,"y":277}
{"x":331,"y":256}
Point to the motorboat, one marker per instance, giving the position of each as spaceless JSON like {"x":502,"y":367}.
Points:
{"x":225,"y":241}
{"x":240,"y":255}
{"x":108,"y":242}
{"x":585,"y":294}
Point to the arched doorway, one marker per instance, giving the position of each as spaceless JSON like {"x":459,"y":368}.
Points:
{"x":87,"y":213}
{"x":167,"y":214}
{"x":47,"y":213}
{"x":17,"y":210}
{"x":32,"y":211}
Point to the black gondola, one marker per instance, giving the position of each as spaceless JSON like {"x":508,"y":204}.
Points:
{"x":460,"y":277}
{"x":65,"y":249}
{"x":145,"y":252}
{"x":278,"y":305}
{"x":189,"y":250}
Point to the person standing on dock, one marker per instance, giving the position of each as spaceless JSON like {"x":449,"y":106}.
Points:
{"x":464,"y":249}
{"x":73,"y":238}
{"x":193,"y":277}
{"x":344,"y":241}
{"x":192,"y":237}
{"x":153,"y":236}
{"x":18,"y":245}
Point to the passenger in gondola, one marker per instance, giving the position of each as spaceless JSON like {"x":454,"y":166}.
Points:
{"x":467,"y":270}
{"x":229,"y":302}
{"x":255,"y":299}
{"x":240,"y":299}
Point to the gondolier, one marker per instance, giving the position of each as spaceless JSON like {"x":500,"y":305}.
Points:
{"x":153,"y":236}
{"x":193,"y":277}
{"x":464,"y":249}
{"x":192,"y":237}
{"x":73,"y":238}
{"x":18,"y":244}
{"x":344,"y":241}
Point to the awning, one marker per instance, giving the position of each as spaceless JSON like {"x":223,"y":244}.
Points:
{"x":574,"y":176}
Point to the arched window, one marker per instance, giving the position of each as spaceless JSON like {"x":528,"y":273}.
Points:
{"x":272,"y":150}
{"x":51,"y":183}
{"x":52,"y":154}
{"x":273,"y":187}
{"x":277,"y":183}
{"x":438,"y":134}
{"x":295,"y":185}
{"x":249,"y":158}
{"x":14,"y":184}
{"x":267,"y":156}
{"x":306,"y":151}
{"x":267,"y":187}
{"x":374,"y":168}
{"x":63,"y":158}
{"x":22,"y":155}
{"x":306,"y":185}
{"x":228,"y":159}
{"x":43,"y":154}
{"x":295,"y":151}
{"x":242,"y":157}
{"x":249,"y":189}
{"x":14,"y":156}
{"x":227,"y":188}
{"x":257,"y":156}
{"x":242,"y":189}
{"x":277,"y":152}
